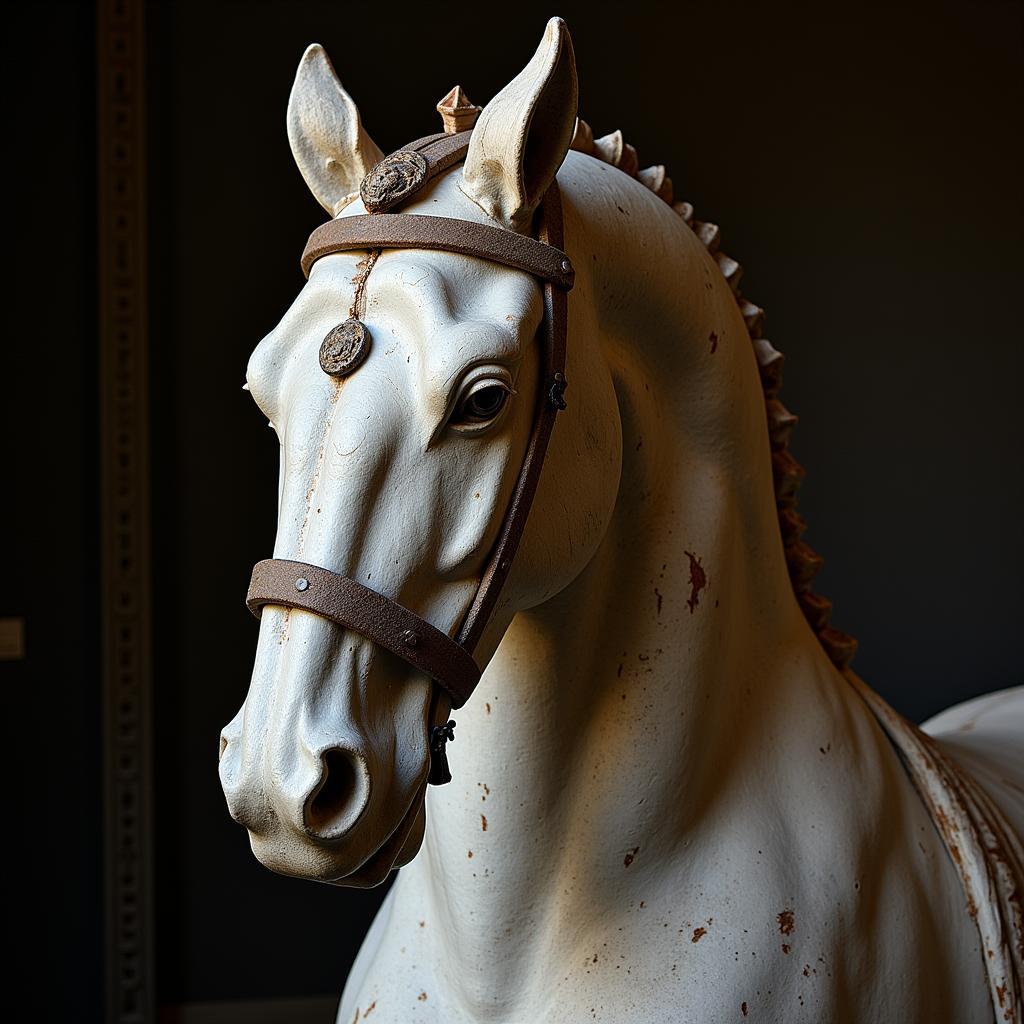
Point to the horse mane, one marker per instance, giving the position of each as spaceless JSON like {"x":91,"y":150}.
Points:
{"x":803,"y":562}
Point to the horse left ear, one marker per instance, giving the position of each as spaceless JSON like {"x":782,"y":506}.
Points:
{"x":523,"y":134}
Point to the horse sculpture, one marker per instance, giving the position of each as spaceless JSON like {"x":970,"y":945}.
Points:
{"x":671,"y":799}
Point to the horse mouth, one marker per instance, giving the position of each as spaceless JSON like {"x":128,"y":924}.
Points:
{"x":376,"y":868}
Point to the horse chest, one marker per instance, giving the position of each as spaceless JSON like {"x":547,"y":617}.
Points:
{"x":714,"y":952}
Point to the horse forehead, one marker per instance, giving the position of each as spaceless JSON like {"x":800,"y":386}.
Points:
{"x":426,"y":297}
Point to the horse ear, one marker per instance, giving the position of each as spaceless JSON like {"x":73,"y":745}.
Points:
{"x":523,"y":134}
{"x":327,"y":137}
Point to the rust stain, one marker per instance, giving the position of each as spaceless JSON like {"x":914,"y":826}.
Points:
{"x":363,"y":268}
{"x":743,"y":1009}
{"x":369,"y":1009}
{"x":486,"y":790}
{"x":786,"y":923}
{"x":698,"y":934}
{"x":628,"y":859}
{"x":785,"y":949}
{"x":469,"y":854}
{"x":422,"y":997}
{"x":698,"y":581}
{"x":1001,"y":994}
{"x":483,"y":822}
{"x":487,"y":708}
{"x":713,"y":338}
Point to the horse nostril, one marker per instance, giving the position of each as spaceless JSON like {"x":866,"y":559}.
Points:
{"x":336,"y":803}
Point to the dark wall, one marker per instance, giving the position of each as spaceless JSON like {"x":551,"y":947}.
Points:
{"x":49,"y":509}
{"x":864,"y":165}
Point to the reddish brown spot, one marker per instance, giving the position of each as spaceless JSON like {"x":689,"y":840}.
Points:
{"x":786,"y":924}
{"x":487,"y":708}
{"x":422,"y":997}
{"x":370,"y":1009}
{"x":469,"y":854}
{"x":713,"y":338}
{"x":743,"y":1009}
{"x":698,"y":934}
{"x":785,"y":949}
{"x":483,"y":822}
{"x":628,"y":859}
{"x":698,"y":581}
{"x":1001,"y":994}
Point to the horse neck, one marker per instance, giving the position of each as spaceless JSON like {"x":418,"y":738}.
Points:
{"x":618,"y":718}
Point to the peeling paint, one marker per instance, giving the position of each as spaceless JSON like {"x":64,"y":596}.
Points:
{"x":698,"y":581}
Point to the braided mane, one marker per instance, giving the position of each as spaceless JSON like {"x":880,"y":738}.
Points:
{"x":804,"y":563}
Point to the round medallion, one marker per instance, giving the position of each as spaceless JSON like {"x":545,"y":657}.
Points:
{"x":394,"y":178}
{"x":344,"y":348}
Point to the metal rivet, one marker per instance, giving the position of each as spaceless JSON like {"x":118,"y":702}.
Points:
{"x":410,"y":639}
{"x":566,"y":266}
{"x":302,"y":583}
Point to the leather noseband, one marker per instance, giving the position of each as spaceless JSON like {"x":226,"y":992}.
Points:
{"x":449,"y":662}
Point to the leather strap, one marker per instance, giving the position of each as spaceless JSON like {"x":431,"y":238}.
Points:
{"x":442,"y":151}
{"x":551,"y":385}
{"x":385,"y":622}
{"x":445,"y":234}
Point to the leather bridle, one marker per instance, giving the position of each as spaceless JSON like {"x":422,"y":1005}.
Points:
{"x":448,"y":661}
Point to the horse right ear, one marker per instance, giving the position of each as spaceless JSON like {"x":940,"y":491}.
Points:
{"x":523,"y":134}
{"x":328,"y":141}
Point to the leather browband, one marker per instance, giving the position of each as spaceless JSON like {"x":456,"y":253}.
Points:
{"x":385,"y":622}
{"x":446,"y":234}
{"x":346,"y":601}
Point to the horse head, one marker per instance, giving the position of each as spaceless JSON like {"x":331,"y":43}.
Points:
{"x":399,"y":475}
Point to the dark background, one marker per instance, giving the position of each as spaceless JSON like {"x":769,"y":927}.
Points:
{"x":864,"y":163}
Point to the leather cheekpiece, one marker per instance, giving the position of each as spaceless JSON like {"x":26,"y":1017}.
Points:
{"x":378,"y":618}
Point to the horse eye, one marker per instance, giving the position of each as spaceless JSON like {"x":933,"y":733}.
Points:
{"x":484,"y":402}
